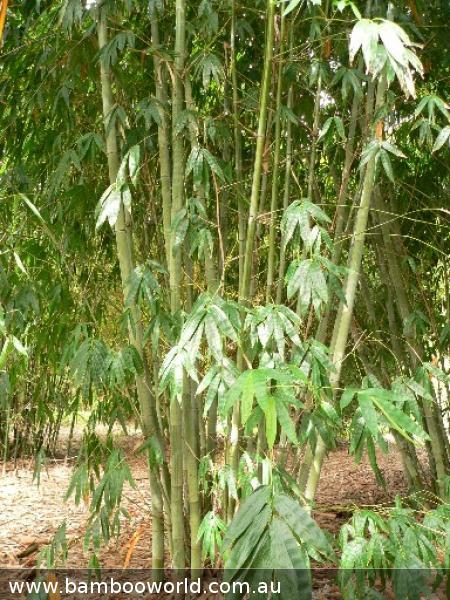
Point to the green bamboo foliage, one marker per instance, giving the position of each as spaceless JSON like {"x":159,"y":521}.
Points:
{"x":273,"y":279}
{"x":259,"y":153}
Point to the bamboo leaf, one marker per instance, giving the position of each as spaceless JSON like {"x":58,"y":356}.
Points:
{"x":393,"y":149}
{"x":364,"y":35}
{"x":386,"y":162}
{"x":19,"y":346}
{"x":244,"y":517}
{"x":213,"y":164}
{"x":109,"y":207}
{"x":393,"y":39}
{"x":286,"y":422}
{"x":291,"y":6}
{"x":442,"y":138}
{"x":180,"y":226}
{"x":398,"y":420}
{"x":325,"y":128}
{"x":247,"y":403}
{"x":369,"y":413}
{"x":304,"y":528}
{"x":270,"y":413}
{"x":213,"y":338}
{"x":133,"y":162}
{"x":340,"y":127}
{"x":347,"y":397}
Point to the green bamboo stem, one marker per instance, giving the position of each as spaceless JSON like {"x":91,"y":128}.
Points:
{"x":344,"y":317}
{"x":316,"y":125}
{"x":286,"y":197}
{"x":212,"y":282}
{"x":409,"y":461}
{"x":191,"y":459}
{"x":163,"y":135}
{"x":157,"y":525}
{"x":341,"y":214}
{"x":415,"y":471}
{"x":225,"y":198}
{"x":177,"y":152}
{"x":415,"y":351}
{"x":366,"y":133}
{"x":211,"y":429}
{"x":175,"y":277}
{"x":193,"y":419}
{"x":261,"y":208}
{"x":237,"y":144}
{"x":259,"y":154}
{"x":124,"y":244}
{"x":411,"y":466}
{"x":314,"y":137}
{"x":276,"y":166}
{"x":312,"y":156}
{"x":245,"y":280}
{"x":6,"y":433}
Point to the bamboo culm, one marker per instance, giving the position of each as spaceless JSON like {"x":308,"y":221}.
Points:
{"x":345,"y":314}
{"x":124,"y":244}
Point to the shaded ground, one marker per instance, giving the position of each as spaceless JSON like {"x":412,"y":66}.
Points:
{"x":30,"y":515}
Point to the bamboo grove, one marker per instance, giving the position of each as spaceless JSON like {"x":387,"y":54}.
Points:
{"x":226,"y":222}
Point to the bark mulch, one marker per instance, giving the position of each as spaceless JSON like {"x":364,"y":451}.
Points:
{"x":31,"y":514}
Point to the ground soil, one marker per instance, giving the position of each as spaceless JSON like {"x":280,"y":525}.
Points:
{"x":30,"y":514}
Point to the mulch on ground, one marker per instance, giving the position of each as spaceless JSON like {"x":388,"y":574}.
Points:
{"x":31,"y":514}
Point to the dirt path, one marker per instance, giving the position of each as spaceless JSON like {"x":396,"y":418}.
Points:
{"x":30,"y":515}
